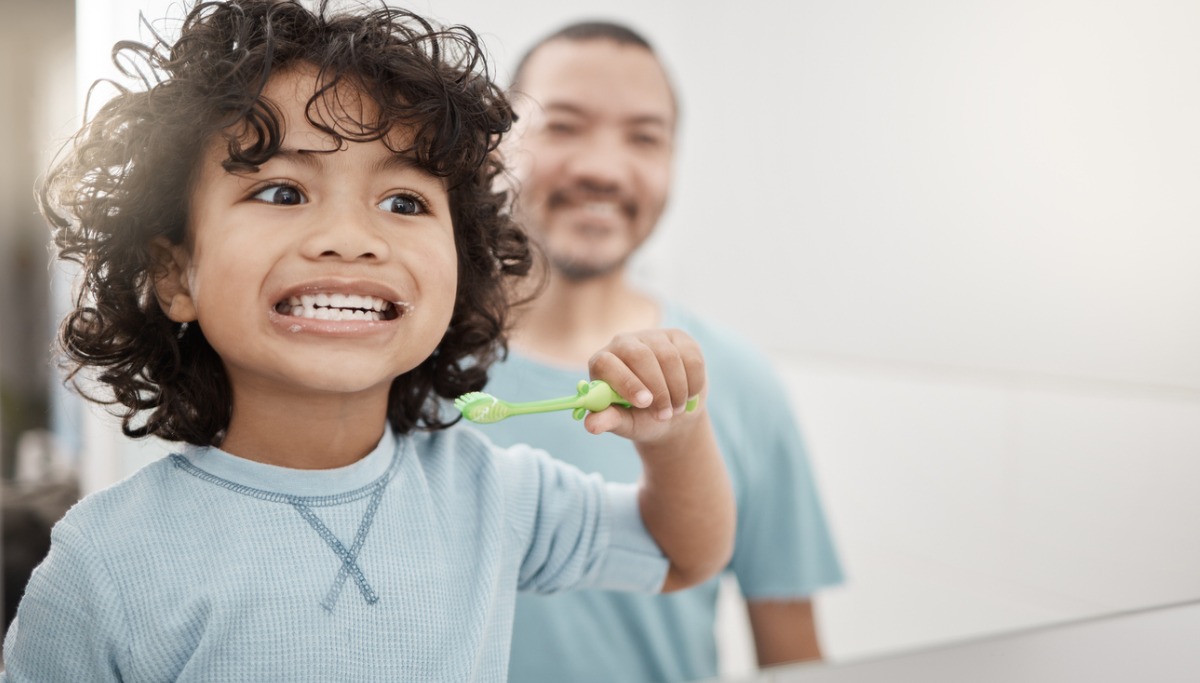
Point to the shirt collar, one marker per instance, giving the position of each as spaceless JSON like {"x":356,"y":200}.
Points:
{"x":296,"y":482}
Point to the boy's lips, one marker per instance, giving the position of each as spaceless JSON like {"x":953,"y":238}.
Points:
{"x":340,"y":302}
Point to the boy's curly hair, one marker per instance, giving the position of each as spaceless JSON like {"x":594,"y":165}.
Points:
{"x":125,"y":180}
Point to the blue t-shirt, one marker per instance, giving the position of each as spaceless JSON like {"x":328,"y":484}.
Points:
{"x":783,"y":549}
{"x":403,"y":566}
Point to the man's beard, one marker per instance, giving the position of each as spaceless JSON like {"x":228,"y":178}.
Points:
{"x":577,"y":272}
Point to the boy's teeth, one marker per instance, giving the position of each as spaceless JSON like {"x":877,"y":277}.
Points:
{"x":326,"y":306}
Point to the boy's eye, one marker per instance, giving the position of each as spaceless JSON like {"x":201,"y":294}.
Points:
{"x":403,"y":204}
{"x":285,"y":195}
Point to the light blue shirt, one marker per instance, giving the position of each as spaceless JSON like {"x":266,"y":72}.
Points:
{"x":401,"y":567}
{"x":783,"y":550}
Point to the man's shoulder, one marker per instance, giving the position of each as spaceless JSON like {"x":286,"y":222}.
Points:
{"x":749,"y":399}
{"x":727,"y":352}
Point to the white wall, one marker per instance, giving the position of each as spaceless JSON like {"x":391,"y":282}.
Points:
{"x":967,"y":233}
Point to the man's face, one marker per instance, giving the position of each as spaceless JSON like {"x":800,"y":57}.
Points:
{"x":593,"y":152}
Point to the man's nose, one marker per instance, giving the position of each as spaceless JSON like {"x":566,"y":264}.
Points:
{"x":602,"y":162}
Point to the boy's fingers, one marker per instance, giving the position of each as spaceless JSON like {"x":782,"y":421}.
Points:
{"x":607,"y":420}
{"x":633,"y":370}
{"x":692,"y":359}
{"x":674,"y":371}
{"x":655,"y":370}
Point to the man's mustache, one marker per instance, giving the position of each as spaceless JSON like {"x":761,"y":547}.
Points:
{"x":584,"y":193}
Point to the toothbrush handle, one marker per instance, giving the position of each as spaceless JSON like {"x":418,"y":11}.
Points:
{"x":592,"y":396}
{"x":688,"y":407}
{"x":615,"y":399}
{"x":545,"y":406}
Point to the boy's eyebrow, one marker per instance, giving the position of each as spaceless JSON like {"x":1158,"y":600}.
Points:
{"x":396,"y":162}
{"x":313,"y":158}
{"x":304,"y":157}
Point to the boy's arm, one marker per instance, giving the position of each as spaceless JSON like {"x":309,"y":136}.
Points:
{"x":687,"y":504}
{"x":70,"y":625}
{"x":686,"y":501}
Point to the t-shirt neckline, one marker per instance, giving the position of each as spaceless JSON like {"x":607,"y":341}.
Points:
{"x":328,"y":486}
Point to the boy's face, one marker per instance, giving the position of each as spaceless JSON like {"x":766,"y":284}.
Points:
{"x":593,"y":154}
{"x":321,"y":272}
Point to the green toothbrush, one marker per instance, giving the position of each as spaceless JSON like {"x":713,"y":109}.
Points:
{"x":592,"y":396}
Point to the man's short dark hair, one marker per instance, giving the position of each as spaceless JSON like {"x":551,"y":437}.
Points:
{"x":587,"y":30}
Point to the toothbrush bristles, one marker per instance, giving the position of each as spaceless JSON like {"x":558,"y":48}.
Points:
{"x":480,"y":407}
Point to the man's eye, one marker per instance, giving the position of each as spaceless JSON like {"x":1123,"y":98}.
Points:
{"x":285,"y":195}
{"x":403,"y":204}
{"x":561,"y":128}
{"x":646,"y":140}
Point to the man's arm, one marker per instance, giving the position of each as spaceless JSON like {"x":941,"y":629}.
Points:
{"x":784,"y":631}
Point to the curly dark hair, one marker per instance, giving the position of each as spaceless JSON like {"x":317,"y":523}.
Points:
{"x":123,"y":181}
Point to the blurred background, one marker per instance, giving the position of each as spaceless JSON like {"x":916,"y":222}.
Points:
{"x":966,"y":233}
{"x":37,"y":110}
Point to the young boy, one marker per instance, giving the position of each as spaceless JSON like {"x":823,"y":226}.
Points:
{"x":292,"y":254}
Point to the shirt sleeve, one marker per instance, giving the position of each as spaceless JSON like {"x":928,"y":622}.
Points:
{"x":583,"y":532}
{"x":784,"y":548}
{"x":634,"y":562}
{"x":70,"y":625}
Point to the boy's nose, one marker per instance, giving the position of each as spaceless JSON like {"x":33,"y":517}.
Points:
{"x":345,"y":235}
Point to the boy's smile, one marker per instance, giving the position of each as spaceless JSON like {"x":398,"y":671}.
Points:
{"x":325,"y":274}
{"x":334,"y":307}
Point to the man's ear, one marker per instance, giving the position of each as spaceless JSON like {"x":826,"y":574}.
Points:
{"x":170,"y":275}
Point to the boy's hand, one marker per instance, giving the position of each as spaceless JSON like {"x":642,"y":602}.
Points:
{"x":655,"y":370}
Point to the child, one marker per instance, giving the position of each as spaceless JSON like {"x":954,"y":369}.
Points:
{"x":292,"y":254}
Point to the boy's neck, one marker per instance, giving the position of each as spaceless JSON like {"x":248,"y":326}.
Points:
{"x":570,"y":320}
{"x":305,"y":433}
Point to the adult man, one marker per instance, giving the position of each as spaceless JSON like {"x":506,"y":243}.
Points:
{"x":593,"y":156}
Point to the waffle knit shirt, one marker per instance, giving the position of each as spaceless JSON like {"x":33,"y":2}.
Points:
{"x":403,"y":566}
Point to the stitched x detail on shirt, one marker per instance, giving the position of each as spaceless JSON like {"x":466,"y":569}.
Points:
{"x":348,"y":556}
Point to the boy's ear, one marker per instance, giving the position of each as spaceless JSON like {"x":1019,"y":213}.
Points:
{"x":170,"y":275}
